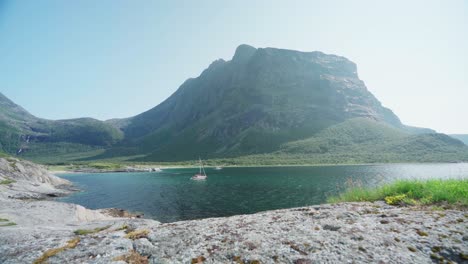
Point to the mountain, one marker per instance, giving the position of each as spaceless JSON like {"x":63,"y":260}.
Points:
{"x":23,"y":133}
{"x":461,"y":137}
{"x":265,"y":105}
{"x":255,"y":103}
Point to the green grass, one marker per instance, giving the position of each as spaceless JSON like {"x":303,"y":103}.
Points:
{"x":7,"y":181}
{"x":104,"y":166}
{"x":90,"y":231}
{"x":6,"y":222}
{"x":422,"y":192}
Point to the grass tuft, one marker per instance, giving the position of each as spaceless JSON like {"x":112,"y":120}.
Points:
{"x":137,"y":234}
{"x":123,"y":227}
{"x":199,"y":259}
{"x":132,"y":257}
{"x":8,"y":224}
{"x":412,"y":192}
{"x":421,"y":233}
{"x":7,"y":181}
{"x":52,"y":252}
{"x":82,"y":232}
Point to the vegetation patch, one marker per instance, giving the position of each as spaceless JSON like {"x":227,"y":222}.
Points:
{"x":137,"y":234}
{"x":52,"y":252}
{"x":82,"y":232}
{"x":6,"y":222}
{"x":421,"y":233}
{"x":412,"y":249}
{"x":132,"y":257}
{"x":411,"y":192}
{"x":7,"y":181}
{"x":199,"y":259}
{"x":105,"y":166}
{"x":395,"y":199}
{"x":123,"y":227}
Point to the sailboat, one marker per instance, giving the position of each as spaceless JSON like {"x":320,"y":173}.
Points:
{"x":201,"y":176}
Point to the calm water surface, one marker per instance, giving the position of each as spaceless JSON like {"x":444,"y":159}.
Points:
{"x":171,"y":196}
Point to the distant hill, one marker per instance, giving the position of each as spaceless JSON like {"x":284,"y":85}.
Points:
{"x":266,"y":105}
{"x":463,"y":138}
{"x":24,"y":134}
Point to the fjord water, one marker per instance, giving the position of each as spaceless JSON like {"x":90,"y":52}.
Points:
{"x":171,"y":196}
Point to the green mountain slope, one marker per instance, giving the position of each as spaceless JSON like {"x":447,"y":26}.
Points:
{"x":461,"y":137}
{"x":24,"y":134}
{"x":366,"y":141}
{"x":349,"y":136}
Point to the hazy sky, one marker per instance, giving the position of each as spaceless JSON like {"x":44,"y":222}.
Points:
{"x":110,"y":58}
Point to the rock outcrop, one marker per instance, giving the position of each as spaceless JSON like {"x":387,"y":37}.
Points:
{"x":26,"y":180}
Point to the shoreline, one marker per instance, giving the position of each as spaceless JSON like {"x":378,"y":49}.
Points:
{"x":249,"y":166}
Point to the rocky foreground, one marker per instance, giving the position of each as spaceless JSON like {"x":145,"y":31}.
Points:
{"x":53,"y":232}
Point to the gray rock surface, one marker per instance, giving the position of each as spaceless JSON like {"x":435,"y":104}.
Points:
{"x":341,"y":233}
{"x":30,"y":181}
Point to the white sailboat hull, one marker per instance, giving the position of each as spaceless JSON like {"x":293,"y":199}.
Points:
{"x":198,"y":177}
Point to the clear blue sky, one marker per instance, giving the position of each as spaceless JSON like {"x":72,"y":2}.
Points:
{"x":110,"y":58}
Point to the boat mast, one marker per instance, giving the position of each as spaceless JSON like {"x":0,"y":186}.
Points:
{"x":200,"y":164}
{"x":203,"y":167}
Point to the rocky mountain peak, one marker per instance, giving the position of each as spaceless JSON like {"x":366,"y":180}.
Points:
{"x":243,"y":53}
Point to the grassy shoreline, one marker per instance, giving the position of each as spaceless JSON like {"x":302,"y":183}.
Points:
{"x":411,"y":192}
{"x":113,"y":168}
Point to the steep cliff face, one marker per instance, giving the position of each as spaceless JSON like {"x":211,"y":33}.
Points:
{"x":254,"y":103}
